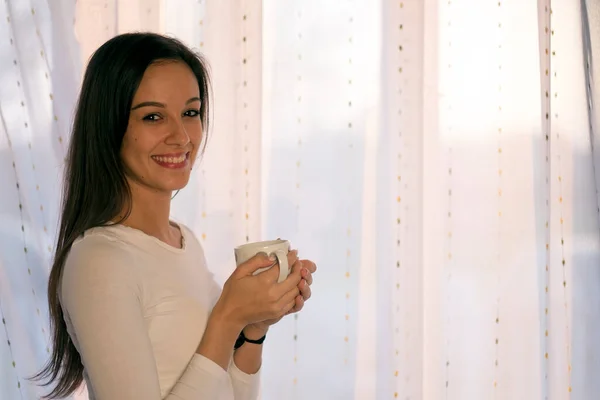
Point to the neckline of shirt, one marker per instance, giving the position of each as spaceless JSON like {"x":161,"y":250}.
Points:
{"x":129,"y":231}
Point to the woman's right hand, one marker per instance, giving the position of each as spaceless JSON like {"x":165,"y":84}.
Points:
{"x":247,"y":298}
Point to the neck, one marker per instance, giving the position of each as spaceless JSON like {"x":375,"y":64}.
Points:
{"x":150,"y":212}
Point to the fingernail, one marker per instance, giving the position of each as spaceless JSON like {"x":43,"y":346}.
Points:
{"x":272,"y":257}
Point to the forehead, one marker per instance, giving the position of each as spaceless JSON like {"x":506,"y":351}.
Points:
{"x":169,"y":80}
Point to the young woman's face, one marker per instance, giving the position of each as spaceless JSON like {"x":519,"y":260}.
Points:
{"x":165,"y":130}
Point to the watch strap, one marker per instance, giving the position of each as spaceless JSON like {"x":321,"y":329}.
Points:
{"x":243,"y":339}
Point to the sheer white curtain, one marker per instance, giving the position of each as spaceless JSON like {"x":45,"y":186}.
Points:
{"x":511,"y":228}
{"x":38,"y":69}
{"x":434,"y":157}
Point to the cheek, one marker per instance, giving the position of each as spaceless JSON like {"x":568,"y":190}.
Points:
{"x":196,"y":138}
{"x":195,"y":134}
{"x":134,"y":153}
{"x":129,"y":149}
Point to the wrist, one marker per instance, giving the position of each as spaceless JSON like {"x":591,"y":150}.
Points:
{"x":220,"y":321}
{"x":219,"y":338}
{"x":254,"y":332}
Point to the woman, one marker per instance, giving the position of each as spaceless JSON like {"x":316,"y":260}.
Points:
{"x":134,"y":310}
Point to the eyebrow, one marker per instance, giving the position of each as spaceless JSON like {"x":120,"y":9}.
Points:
{"x":161,"y":105}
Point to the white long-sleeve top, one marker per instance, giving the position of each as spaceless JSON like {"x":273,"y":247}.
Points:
{"x":136,"y":309}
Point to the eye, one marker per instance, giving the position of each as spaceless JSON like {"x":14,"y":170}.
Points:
{"x":152,"y":117}
{"x":193,"y":113}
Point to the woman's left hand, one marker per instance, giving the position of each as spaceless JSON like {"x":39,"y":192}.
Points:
{"x":307,"y":268}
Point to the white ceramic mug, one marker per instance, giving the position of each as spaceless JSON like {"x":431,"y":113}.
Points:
{"x":278,"y":248}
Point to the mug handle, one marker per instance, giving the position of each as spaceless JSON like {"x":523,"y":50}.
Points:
{"x":282,"y":261}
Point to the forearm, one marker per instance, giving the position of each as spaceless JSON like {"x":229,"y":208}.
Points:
{"x":218,"y":340}
{"x":248,"y":358}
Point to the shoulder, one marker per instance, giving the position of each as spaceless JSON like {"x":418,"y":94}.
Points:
{"x":98,"y":258}
{"x":101,"y":244}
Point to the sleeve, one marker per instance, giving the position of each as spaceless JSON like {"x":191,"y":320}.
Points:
{"x":101,"y":302}
{"x":245,"y":386}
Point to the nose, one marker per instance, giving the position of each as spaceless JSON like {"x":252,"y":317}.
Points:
{"x":177,"y":135}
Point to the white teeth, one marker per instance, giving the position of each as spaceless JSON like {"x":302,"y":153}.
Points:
{"x":170,"y":160}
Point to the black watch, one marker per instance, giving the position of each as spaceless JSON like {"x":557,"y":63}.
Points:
{"x":243,"y":339}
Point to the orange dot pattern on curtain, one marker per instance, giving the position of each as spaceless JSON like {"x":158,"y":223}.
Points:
{"x":500,"y":157}
{"x":19,"y":122}
{"x":202,"y":7}
{"x":246,"y":154}
{"x":449,"y":223}
{"x":401,"y":350}
{"x":46,"y":70}
{"x":546,"y":124}
{"x":44,"y":55}
{"x":10,"y":350}
{"x":19,"y":128}
{"x":349,"y":256}
{"x":27,"y":115}
{"x":297,"y":93}
{"x":559,"y":201}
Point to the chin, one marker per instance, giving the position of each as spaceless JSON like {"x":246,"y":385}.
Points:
{"x":179,"y":185}
{"x":159,"y":183}
{"x":167,"y":185}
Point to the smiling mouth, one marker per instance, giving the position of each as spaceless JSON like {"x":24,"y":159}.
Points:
{"x":172,"y":161}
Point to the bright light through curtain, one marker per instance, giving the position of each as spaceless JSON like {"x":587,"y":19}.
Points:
{"x":434,"y":157}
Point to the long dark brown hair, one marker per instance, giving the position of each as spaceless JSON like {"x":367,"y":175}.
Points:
{"x":95,"y":188}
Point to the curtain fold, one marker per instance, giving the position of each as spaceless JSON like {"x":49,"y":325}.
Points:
{"x":38,"y":60}
{"x":590,"y":17}
{"x":435,"y":158}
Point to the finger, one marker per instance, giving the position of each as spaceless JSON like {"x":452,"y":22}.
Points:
{"x":261,"y":260}
{"x":297,"y":266}
{"x":272,"y":275}
{"x":298,"y":306}
{"x":305,"y":290}
{"x":289,"y":296}
{"x":289,"y":307}
{"x":310,"y":266}
{"x":307,"y":276}
{"x":290,"y":283}
{"x":292,"y":259}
